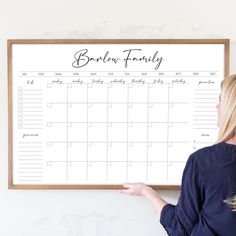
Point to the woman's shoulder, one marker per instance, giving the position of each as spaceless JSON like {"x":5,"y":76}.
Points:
{"x":214,"y":155}
{"x":215,"y":149}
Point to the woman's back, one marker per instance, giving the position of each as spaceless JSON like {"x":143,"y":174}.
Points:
{"x":217,"y":165}
{"x":209,"y":178}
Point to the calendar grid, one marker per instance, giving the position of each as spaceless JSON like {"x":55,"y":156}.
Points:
{"x":156,"y":100}
{"x":129,"y":123}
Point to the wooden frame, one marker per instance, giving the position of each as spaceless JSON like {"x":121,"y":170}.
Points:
{"x":226,"y":43}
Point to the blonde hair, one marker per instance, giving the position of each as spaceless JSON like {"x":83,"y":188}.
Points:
{"x":227,"y":118}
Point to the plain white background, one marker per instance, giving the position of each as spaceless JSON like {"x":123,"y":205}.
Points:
{"x":90,"y":212}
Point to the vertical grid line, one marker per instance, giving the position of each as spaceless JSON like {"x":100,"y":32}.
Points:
{"x":167,"y":139}
{"x":87,"y":136}
{"x":147,"y":130}
{"x":127,"y":134}
{"x":107,"y":131}
{"x":67,"y":134}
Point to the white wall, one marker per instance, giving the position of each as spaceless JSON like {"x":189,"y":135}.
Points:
{"x":81,"y":212}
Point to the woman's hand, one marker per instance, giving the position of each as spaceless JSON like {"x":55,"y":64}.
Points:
{"x":137,"y":189}
{"x":146,"y":191}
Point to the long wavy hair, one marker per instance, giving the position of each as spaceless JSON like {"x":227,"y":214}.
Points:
{"x":227,"y":118}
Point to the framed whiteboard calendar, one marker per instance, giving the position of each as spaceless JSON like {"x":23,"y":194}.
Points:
{"x":94,"y":114}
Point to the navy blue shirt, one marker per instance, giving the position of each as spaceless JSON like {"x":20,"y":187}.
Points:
{"x":208,"y":179}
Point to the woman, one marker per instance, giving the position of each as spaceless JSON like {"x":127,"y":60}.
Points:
{"x":208,"y":190}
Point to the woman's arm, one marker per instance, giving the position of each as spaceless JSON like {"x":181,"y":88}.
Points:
{"x":179,"y":220}
{"x":149,"y":193}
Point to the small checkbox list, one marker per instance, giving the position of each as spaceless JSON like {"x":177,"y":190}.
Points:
{"x":20,"y":107}
{"x":30,"y":108}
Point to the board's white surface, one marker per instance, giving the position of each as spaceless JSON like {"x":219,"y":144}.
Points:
{"x":108,"y":114}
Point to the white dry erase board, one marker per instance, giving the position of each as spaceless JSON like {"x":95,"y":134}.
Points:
{"x":100,"y":113}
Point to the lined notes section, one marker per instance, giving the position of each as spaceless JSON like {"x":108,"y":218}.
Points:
{"x":205,"y":116}
{"x":30,"y":162}
{"x":205,"y":113}
{"x":30,"y":108}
